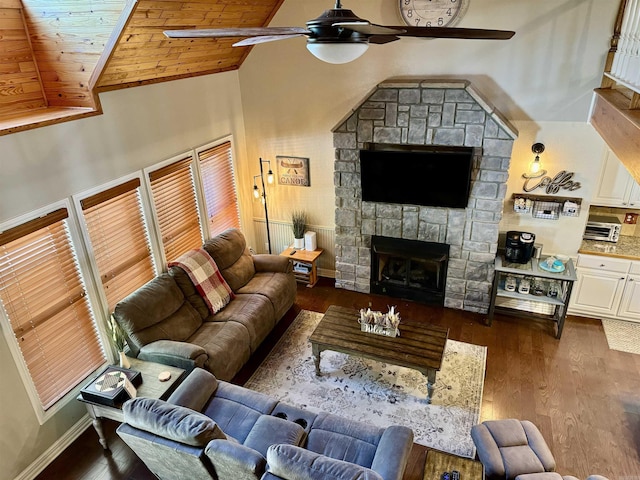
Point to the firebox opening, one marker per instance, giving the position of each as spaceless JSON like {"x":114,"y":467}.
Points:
{"x":409,"y":269}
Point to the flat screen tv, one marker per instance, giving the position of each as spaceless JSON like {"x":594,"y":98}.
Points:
{"x":413,"y":175}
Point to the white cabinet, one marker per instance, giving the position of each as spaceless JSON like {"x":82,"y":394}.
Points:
{"x":607,"y":287}
{"x":616,"y":187}
{"x":630,"y":303}
{"x":597,"y":292}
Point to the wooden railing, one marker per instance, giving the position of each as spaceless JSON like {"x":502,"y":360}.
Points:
{"x":615,"y":112}
{"x":624,"y":66}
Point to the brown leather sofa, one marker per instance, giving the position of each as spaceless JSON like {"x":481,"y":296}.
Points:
{"x":167,"y":321}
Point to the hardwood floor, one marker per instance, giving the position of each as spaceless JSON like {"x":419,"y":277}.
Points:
{"x":584,"y":397}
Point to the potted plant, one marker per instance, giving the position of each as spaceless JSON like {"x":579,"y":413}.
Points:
{"x":299,"y":224}
{"x":119,"y":341}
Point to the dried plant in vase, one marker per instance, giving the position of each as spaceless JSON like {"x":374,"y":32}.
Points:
{"x":299,"y":225}
{"x":118,"y":340}
{"x":380,"y":323}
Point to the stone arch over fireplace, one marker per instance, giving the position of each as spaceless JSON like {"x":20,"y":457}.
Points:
{"x":425,"y":112}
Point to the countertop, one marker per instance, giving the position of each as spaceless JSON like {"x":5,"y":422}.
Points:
{"x":627,"y":247}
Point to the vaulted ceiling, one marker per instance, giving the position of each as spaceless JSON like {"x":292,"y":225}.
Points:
{"x":57,"y":55}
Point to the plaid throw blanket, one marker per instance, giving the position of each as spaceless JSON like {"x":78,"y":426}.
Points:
{"x":206,"y":277}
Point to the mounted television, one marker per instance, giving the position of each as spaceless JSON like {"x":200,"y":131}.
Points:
{"x":415,"y":175}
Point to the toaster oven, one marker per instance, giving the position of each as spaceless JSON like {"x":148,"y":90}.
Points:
{"x":600,"y":227}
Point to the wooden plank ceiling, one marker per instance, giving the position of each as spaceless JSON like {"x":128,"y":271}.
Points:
{"x":57,"y":55}
{"x":144,"y":55}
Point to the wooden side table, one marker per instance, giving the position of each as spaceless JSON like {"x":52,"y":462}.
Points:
{"x":304,"y":264}
{"x":439,"y":462}
{"x":151,"y":387}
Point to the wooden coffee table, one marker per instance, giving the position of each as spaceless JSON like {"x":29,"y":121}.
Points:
{"x":419,"y":347}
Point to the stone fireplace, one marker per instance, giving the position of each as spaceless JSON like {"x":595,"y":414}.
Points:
{"x":436,"y":113}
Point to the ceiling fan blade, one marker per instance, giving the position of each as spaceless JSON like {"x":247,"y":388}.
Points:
{"x":453,"y":32}
{"x":263,"y":39}
{"x":236,"y":32}
{"x":367,"y":28}
{"x":382,"y":39}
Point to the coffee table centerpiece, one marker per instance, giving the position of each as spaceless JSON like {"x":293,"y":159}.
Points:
{"x":380,"y":323}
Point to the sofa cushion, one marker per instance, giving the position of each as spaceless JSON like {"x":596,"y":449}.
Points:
{"x":145,"y":319}
{"x":237,"y":409}
{"x":294,"y":463}
{"x":229,"y":251}
{"x":339,"y":437}
{"x":206,"y":277}
{"x":279,"y":288}
{"x":171,"y":421}
{"x":254,"y":312}
{"x":189,"y":291}
{"x":270,"y":430}
{"x":228,"y":347}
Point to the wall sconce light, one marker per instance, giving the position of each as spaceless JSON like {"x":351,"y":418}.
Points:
{"x":535,"y":166}
{"x":263,"y":195}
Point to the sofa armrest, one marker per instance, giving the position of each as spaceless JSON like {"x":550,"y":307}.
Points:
{"x":392,"y":453}
{"x":272,"y":263}
{"x":235,"y":461}
{"x":177,"y":354}
{"x":195,"y":391}
{"x":290,"y":463}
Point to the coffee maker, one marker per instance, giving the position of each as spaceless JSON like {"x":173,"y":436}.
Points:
{"x":519,"y":246}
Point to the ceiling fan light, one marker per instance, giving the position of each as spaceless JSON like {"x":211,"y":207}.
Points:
{"x":337,"y":52}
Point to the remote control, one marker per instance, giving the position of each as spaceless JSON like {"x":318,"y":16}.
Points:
{"x":455,"y":475}
{"x":293,"y":252}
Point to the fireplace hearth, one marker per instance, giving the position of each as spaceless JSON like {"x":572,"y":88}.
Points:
{"x":409,"y":269}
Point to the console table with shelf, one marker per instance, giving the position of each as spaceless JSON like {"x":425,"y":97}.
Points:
{"x":528,"y":305}
{"x":151,"y":387}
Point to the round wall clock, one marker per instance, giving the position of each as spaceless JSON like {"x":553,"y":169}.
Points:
{"x":432,"y":13}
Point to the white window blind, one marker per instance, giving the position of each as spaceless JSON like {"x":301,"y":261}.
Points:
{"x":119,"y":239}
{"x":45,"y":300}
{"x":174,"y":198}
{"x":219,"y":189}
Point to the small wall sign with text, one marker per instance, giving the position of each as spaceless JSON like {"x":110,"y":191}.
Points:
{"x":293,"y":171}
{"x":551,"y":185}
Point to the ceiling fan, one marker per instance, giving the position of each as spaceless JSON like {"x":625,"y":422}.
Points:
{"x":339,"y":35}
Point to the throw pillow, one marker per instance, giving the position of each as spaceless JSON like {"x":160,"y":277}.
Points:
{"x":206,"y":277}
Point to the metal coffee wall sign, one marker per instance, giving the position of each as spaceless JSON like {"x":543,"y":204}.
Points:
{"x":563,"y":180}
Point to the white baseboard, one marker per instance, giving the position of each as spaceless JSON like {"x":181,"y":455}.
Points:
{"x":324,"y":272}
{"x":33,"y":470}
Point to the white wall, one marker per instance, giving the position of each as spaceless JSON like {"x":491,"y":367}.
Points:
{"x":570,"y":146}
{"x":140,"y":127}
{"x":541,"y":80}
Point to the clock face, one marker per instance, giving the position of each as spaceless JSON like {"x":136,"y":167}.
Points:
{"x":432,"y":13}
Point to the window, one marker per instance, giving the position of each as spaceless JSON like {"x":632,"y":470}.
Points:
{"x":45,"y":301}
{"x":119,"y":240}
{"x":219,"y":189}
{"x":176,"y":208}
{"x":45,"y":308}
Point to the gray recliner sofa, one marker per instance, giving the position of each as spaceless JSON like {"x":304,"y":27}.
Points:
{"x":210,"y":429}
{"x":167,"y":321}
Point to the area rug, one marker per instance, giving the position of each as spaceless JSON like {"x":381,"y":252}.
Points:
{"x":622,"y":336}
{"x":378,"y":393}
